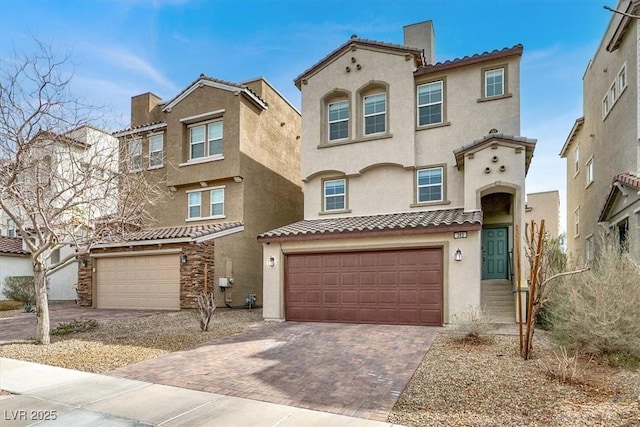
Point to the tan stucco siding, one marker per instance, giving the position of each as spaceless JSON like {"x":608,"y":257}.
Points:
{"x":272,"y":136}
{"x":392,"y":70}
{"x":202,"y":100}
{"x":461,"y":279}
{"x":544,"y":205}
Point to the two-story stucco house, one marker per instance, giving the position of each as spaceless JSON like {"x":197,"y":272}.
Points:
{"x":603,"y":147}
{"x":227,"y":160}
{"x":414,"y":180}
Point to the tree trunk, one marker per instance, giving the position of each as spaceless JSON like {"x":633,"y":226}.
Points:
{"x":42,"y":304}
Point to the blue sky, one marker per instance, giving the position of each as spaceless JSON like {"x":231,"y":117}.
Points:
{"x":122,"y":48}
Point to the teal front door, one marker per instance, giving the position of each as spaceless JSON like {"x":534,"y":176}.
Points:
{"x":495,"y":255}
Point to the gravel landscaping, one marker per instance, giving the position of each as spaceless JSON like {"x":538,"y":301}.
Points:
{"x":457,"y":384}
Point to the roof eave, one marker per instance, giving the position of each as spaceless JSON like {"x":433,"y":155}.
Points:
{"x":466,"y":61}
{"x":577,"y":126}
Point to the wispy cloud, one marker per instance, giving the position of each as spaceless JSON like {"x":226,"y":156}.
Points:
{"x":123,"y":58}
{"x":179,"y":37}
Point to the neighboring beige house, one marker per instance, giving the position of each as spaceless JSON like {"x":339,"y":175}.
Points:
{"x":603,"y":149}
{"x":545,"y":206}
{"x":227,"y":157}
{"x":414,"y":178}
{"x":14,"y":260}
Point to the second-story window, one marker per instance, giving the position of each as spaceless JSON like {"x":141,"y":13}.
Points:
{"x":135,"y":155}
{"x":576,"y":159}
{"x":156,"y":150}
{"x":375,"y":113}
{"x":589,"y":171}
{"x":576,"y":222}
{"x":430,"y":103}
{"x":217,"y":202}
{"x":194,"y":205}
{"x":338,"y":120}
{"x":11,"y":228}
{"x":622,"y":79}
{"x":494,"y":82}
{"x":429,"y":185}
{"x":335,"y":195}
{"x":206,"y":140}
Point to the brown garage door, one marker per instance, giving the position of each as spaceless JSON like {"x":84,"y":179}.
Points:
{"x":139,"y":282}
{"x":389,"y":287}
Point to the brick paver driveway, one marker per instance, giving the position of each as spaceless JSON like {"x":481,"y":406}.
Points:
{"x":23,"y":325}
{"x":354,"y":370}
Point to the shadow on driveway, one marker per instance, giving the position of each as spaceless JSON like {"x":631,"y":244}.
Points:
{"x":354,"y":370}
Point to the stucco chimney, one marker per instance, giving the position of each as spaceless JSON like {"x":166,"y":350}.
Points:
{"x":422,"y":36}
{"x":144,"y":109}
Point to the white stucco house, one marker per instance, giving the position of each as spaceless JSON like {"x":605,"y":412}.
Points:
{"x":62,"y":160}
{"x":414,"y":180}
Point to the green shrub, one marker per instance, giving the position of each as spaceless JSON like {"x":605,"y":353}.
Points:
{"x":597,"y":311}
{"x":20,"y":288}
{"x":10,"y":305}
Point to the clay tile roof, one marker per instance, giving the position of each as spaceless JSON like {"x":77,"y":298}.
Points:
{"x":468,"y":60}
{"x":11,"y":245}
{"x":182,"y":232}
{"x":373,"y":223}
{"x":140,"y":128}
{"x":629,"y":179}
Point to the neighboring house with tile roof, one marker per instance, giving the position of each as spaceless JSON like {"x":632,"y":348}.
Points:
{"x":61,"y":162}
{"x":414,"y":180}
{"x":227,"y":159}
{"x":603,"y":147}
{"x":14,"y":260}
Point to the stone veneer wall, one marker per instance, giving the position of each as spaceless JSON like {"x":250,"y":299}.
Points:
{"x":191,"y":273}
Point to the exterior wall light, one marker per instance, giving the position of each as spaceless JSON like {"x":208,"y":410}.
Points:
{"x":183,"y":258}
{"x":271,"y":262}
{"x":84,"y":262}
{"x":458,"y":255}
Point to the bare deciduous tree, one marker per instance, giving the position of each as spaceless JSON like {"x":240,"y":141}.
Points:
{"x":62,"y":180}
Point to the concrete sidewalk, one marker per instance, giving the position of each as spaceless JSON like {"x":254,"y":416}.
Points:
{"x":48,"y":395}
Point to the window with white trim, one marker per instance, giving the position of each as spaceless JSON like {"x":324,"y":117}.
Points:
{"x":429,"y":185}
{"x":375,"y":113}
{"x":613,"y":92}
{"x":11,"y":228}
{"x":156,"y":151}
{"x":588,"y":250}
{"x":217,"y":202}
{"x":576,"y":222}
{"x":135,"y":154}
{"x":430,"y":103}
{"x":589,"y":171}
{"x":494,"y":82}
{"x":622,"y":79}
{"x":606,"y":106}
{"x":338,"y":114}
{"x":335,"y":194}
{"x":194,"y":204}
{"x":206,"y":140}
{"x":576,"y":159}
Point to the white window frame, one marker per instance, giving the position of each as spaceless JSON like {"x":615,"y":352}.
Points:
{"x":206,"y":141}
{"x":154,"y":139}
{"x":217,"y":203}
{"x":589,"y":248}
{"x":621,"y":79}
{"x":589,"y":171}
{"x":343,"y":195}
{"x":135,"y":155}
{"x":576,"y":221}
{"x":430,"y":185}
{"x":337,"y":121}
{"x":439,"y":83}
{"x":613,"y":93}
{"x":576,"y":159}
{"x":192,"y":204}
{"x":375,"y":113}
{"x":486,"y":82}
{"x":606,"y":106}
{"x":11,"y":228}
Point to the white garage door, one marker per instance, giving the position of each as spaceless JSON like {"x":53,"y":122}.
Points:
{"x":139,"y":282}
